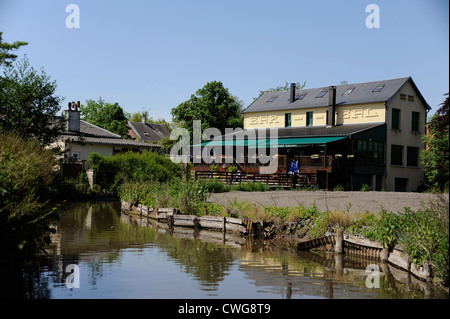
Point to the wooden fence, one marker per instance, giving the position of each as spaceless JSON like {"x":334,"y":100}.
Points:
{"x":274,"y":180}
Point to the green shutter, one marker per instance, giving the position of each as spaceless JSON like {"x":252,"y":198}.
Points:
{"x":415,"y":121}
{"x":395,"y":119}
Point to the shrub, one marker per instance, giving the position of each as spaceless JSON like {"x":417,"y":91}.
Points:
{"x":26,"y":172}
{"x":251,"y":187}
{"x":112,"y":171}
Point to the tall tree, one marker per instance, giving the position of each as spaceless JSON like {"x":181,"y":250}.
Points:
{"x":435,"y":157}
{"x":213,"y":105}
{"x":285,"y":87}
{"x":109,"y":116}
{"x":28,"y":104}
{"x":6,"y":57}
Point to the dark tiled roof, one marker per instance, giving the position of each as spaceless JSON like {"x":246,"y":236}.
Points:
{"x":149,"y":132}
{"x":107,"y":141}
{"x":88,"y":129}
{"x":92,"y":134}
{"x":309,"y":131}
{"x":362,"y":93}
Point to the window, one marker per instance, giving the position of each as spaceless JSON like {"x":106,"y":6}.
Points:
{"x":412,"y":156}
{"x":396,"y":154}
{"x":321,"y":94}
{"x":395,"y":119}
{"x":300,"y":96}
{"x":378,"y":88}
{"x":287,"y":119}
{"x":348,"y":91}
{"x":415,"y":121}
{"x":402,"y":96}
{"x":271,"y":99}
{"x":410,"y":98}
{"x":309,"y":118}
{"x":367,"y":151}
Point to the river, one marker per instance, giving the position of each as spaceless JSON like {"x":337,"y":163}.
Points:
{"x":113,"y":255}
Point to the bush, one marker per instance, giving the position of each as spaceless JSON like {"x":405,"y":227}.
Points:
{"x":112,"y":171}
{"x":26,"y":172}
{"x":251,"y":187}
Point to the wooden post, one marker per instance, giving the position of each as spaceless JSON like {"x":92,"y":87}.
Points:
{"x":339,"y":239}
{"x":384,"y":254}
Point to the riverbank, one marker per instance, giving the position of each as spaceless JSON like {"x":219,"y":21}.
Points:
{"x":418,"y":228}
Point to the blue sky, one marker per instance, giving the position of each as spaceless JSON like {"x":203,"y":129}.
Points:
{"x":155,"y":54}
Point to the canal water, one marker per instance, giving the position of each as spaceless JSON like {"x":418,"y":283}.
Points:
{"x":99,"y":252}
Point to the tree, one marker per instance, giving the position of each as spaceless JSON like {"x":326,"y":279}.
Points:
{"x":28,"y":104}
{"x":435,"y":157}
{"x":285,"y":87}
{"x":6,"y":57}
{"x":213,"y":105}
{"x":109,"y":116}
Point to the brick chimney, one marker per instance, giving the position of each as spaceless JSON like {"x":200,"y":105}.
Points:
{"x":73,"y":117}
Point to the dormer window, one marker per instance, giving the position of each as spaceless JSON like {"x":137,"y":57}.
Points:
{"x":348,"y":91}
{"x":321,"y":94}
{"x":378,"y":88}
{"x":271,"y":99}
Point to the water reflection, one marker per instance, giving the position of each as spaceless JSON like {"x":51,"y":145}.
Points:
{"x":122,"y":256}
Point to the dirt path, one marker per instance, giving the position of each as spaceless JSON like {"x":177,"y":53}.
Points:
{"x":360,"y":201}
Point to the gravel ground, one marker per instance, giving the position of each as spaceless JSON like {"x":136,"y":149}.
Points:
{"x":360,"y":201}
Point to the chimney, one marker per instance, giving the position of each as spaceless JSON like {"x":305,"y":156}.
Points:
{"x":144,"y":118}
{"x":73,"y":117}
{"x":292,"y":99}
{"x":331,"y":106}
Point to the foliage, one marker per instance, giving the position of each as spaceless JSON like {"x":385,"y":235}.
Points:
{"x":28,"y":104}
{"x":188,"y":196}
{"x":143,"y":167}
{"x":251,"y":187}
{"x":365,"y":188}
{"x":166,"y":144}
{"x":6,"y":57}
{"x":285,"y":87}
{"x":26,"y":172}
{"x":213,"y":105}
{"x":338,"y":188}
{"x":435,"y":157}
{"x":106,"y":115}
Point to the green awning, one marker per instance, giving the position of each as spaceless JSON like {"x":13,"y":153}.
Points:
{"x":302,"y":141}
{"x":281,"y":142}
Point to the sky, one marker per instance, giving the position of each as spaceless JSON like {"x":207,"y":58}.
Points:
{"x":153,"y":55}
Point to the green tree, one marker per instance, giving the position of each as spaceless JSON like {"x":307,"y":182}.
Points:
{"x":109,"y":116}
{"x":6,"y":57}
{"x":28,"y":104}
{"x":285,"y":87}
{"x":435,"y":157}
{"x":213,"y":105}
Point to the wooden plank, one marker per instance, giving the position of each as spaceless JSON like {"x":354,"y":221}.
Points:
{"x":362,"y":241}
{"x":398,"y":258}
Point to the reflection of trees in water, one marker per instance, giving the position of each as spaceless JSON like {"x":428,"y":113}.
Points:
{"x":208,"y":262}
